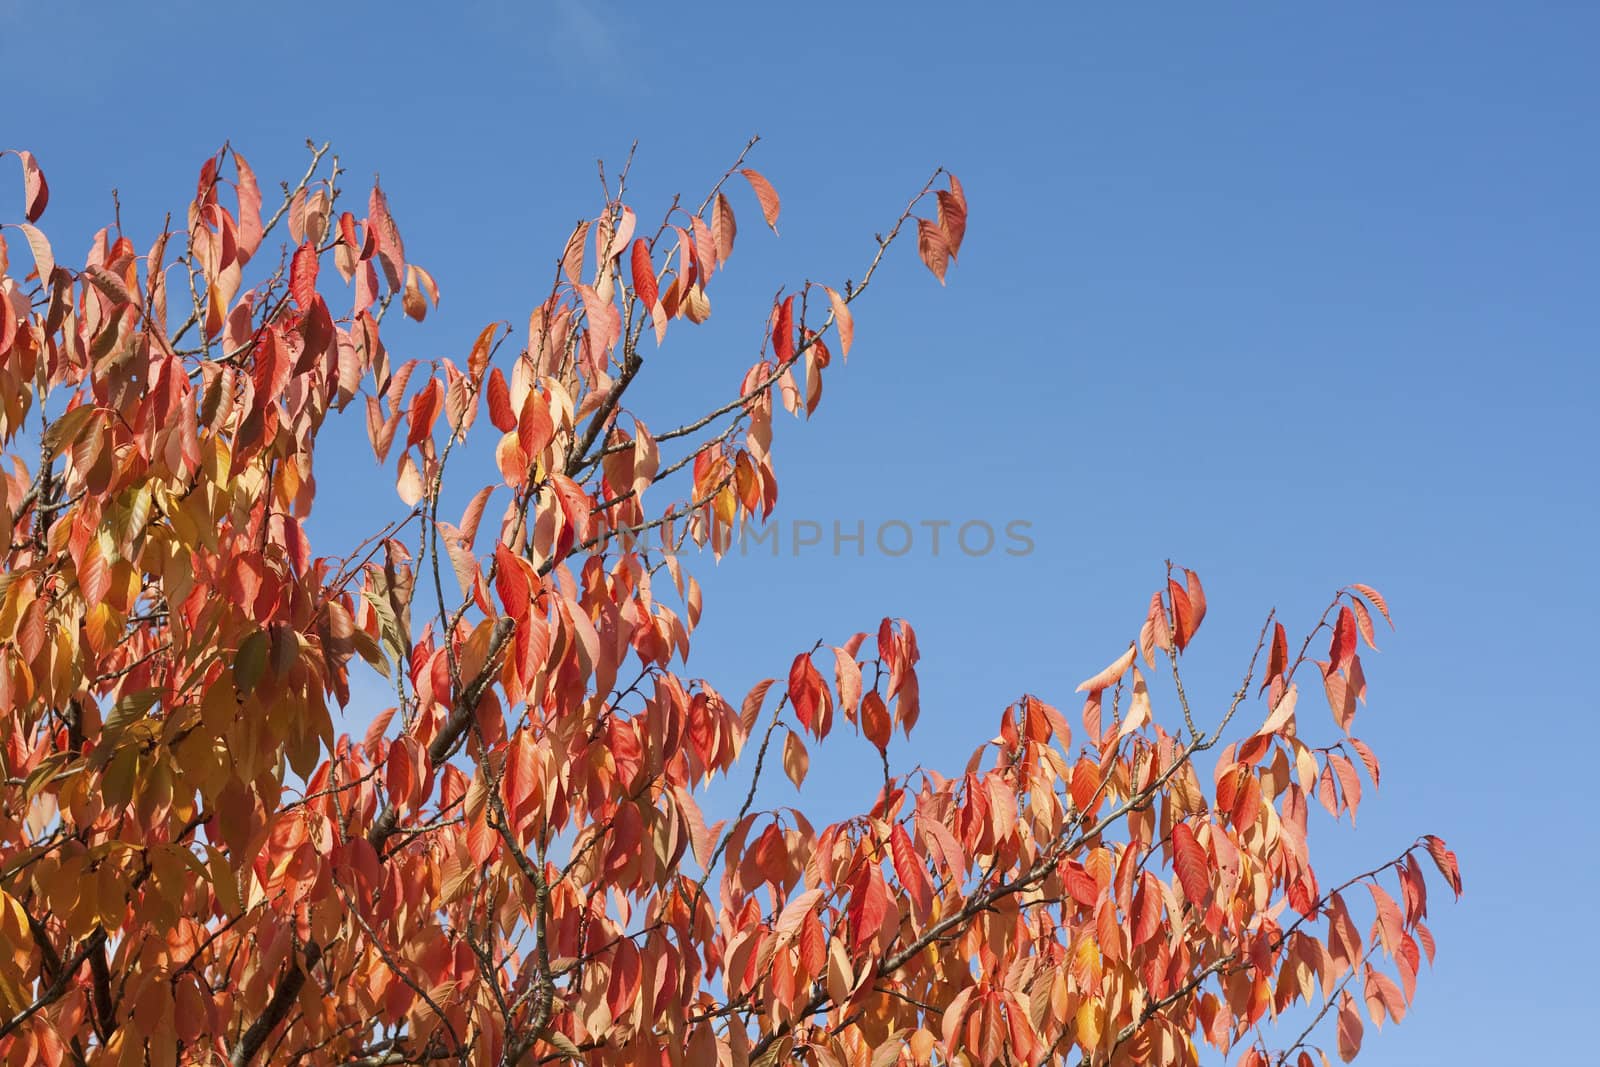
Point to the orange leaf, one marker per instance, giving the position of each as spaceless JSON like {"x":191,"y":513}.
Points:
{"x":1391,"y":926}
{"x":1349,"y":782}
{"x":953,"y":215}
{"x":934,"y":248}
{"x":723,"y":228}
{"x":534,"y":427}
{"x":796,"y":762}
{"x":795,"y":912}
{"x":1281,"y":712}
{"x":409,"y":482}
{"x":764,"y":193}
{"x":35,"y":190}
{"x":1350,"y":1028}
{"x":1197,"y":600}
{"x":1445,"y":860}
{"x":500,"y":413}
{"x":752,"y":702}
{"x":250,"y":229}
{"x":1113,"y":671}
{"x":843,"y":320}
{"x":44,"y":260}
{"x":1364,"y":622}
{"x":1183,"y":620}
{"x":1367,"y":758}
{"x":1377,"y":600}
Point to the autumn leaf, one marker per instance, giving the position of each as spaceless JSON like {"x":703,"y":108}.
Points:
{"x":796,"y":762}
{"x":1349,"y":1028}
{"x":303,"y":276}
{"x":335,"y":871}
{"x":1109,"y":675}
{"x":934,"y":247}
{"x":766,"y":194}
{"x":1190,"y":862}
{"x":1343,"y":647}
{"x":35,"y":190}
{"x":644,"y":275}
{"x":843,"y":320}
{"x":501,"y":413}
{"x":1445,"y":860}
{"x":953,"y":215}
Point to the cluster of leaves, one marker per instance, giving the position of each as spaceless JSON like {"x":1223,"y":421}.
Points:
{"x":512,"y":864}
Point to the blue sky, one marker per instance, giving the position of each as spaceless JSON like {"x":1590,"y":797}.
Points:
{"x":1295,"y":297}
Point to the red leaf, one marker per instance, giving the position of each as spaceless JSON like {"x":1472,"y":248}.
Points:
{"x":1343,"y":647}
{"x":912,"y":874}
{"x":805,"y":687}
{"x":783,"y":331}
{"x":576,"y":504}
{"x":953,"y":215}
{"x":1377,"y":600}
{"x":1146,"y":910}
{"x":500,"y":413}
{"x":303,"y":275}
{"x":1081,"y":885}
{"x":764,"y":193}
{"x":1278,"y":658}
{"x":35,"y":190}
{"x":933,"y":247}
{"x":644,"y":275}
{"x":424,"y":412}
{"x":1350,"y":1028}
{"x":1445,"y":860}
{"x":1183,"y":621}
{"x":1190,"y":861}
{"x":511,"y":582}
{"x":400,"y":773}
{"x":869,"y":903}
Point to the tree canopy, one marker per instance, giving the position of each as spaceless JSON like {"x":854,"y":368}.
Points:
{"x":512,"y":865}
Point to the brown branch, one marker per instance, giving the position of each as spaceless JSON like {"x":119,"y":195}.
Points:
{"x":277,"y":1009}
{"x":452,"y":730}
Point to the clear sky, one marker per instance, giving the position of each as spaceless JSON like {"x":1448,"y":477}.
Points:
{"x":1296,"y":297}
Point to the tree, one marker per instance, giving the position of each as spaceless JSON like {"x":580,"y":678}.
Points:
{"x":512,"y":865}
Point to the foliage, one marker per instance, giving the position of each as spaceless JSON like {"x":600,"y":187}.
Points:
{"x":512,"y":865}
